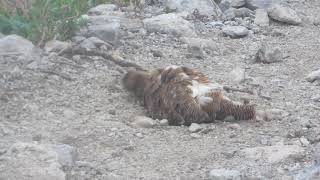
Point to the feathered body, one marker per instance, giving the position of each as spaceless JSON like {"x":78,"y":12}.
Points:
{"x":183,"y":96}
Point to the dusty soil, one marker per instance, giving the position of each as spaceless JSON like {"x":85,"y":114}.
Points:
{"x":92,"y":111}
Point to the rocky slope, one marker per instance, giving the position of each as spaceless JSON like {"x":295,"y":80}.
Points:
{"x":66,"y":116}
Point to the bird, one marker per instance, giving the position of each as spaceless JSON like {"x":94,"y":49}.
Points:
{"x":183,"y":96}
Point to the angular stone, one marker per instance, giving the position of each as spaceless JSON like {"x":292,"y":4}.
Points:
{"x":194,"y":127}
{"x":235,"y":31}
{"x":169,"y":24}
{"x":284,"y":14}
{"x":268,"y":54}
{"x":224,"y":174}
{"x":107,"y":32}
{"x":67,"y":154}
{"x":237,"y":75}
{"x":15,"y":44}
{"x":314,"y":76}
{"x":262,"y":18}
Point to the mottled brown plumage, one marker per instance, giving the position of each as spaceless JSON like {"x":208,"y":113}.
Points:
{"x":183,"y":96}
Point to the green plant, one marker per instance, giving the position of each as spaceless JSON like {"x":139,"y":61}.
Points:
{"x":45,"y":20}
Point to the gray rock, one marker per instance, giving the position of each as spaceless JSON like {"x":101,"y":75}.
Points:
{"x":284,"y":14}
{"x":205,"y":7}
{"x":268,"y":54}
{"x":314,"y":76}
{"x":273,"y":154}
{"x":56,"y":46}
{"x":109,"y":32}
{"x":262,"y":18}
{"x":243,"y":12}
{"x":67,"y":154}
{"x":103,"y":9}
{"x":195,"y":51}
{"x":224,"y":174}
{"x":194,"y":127}
{"x":15,"y":44}
{"x":237,"y":75}
{"x":143,"y":122}
{"x":169,"y":24}
{"x":235,"y":31}
{"x":258,"y":4}
{"x":238,"y":3}
{"x":225,"y":5}
{"x":30,"y":161}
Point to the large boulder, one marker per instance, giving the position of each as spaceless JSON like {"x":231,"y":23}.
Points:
{"x":205,"y":7}
{"x":30,"y":161}
{"x":284,"y":14}
{"x":169,"y":24}
{"x":16,"y":45}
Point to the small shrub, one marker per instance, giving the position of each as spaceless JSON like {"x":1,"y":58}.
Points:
{"x":46,"y":19}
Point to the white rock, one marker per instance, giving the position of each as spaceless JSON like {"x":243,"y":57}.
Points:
{"x":273,"y":154}
{"x":313,"y":76}
{"x":224,"y":174}
{"x":67,"y":154}
{"x":30,"y":161}
{"x":261,"y":18}
{"x":56,"y":46}
{"x":143,"y":122}
{"x":164,"y":122}
{"x":268,"y":54}
{"x":103,"y":9}
{"x":235,"y":31}
{"x":15,"y":44}
{"x":205,"y":7}
{"x":304,"y":141}
{"x":169,"y":24}
{"x":237,"y":75}
{"x":194,"y":127}
{"x":284,"y":14}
